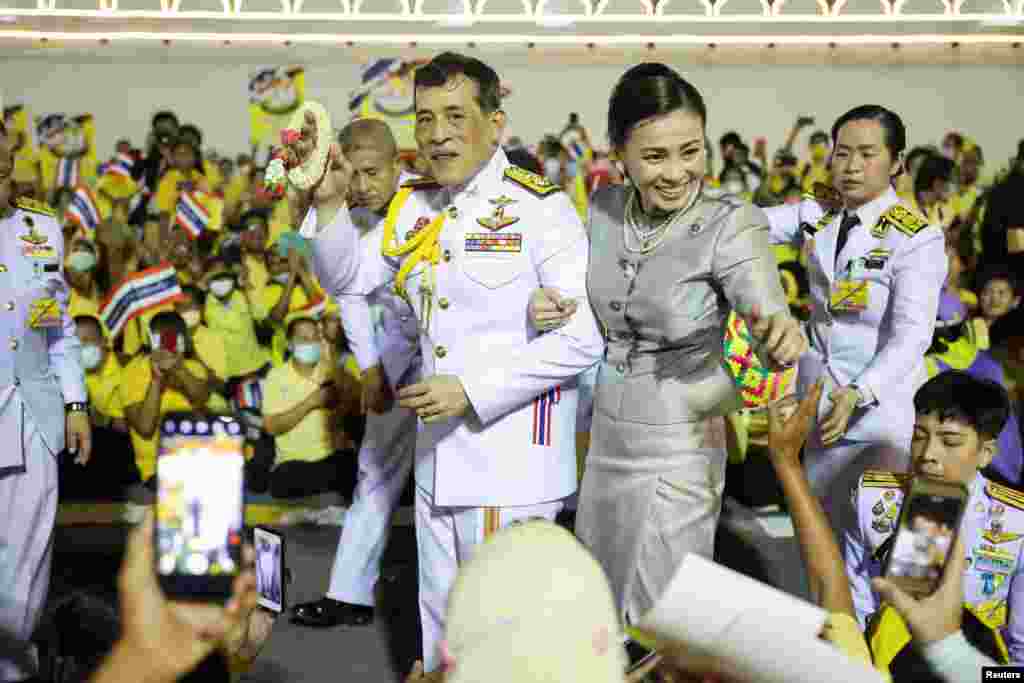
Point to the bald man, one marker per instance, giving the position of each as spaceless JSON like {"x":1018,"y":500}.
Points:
{"x":382,"y":332}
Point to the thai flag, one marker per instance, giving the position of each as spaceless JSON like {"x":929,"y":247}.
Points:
{"x":138,"y":293}
{"x":121,"y":165}
{"x":82,"y":210}
{"x":67,"y":172}
{"x":315,"y":309}
{"x":542,"y":408}
{"x":191,"y":215}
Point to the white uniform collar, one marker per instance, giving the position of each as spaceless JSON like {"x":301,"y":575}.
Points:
{"x":490,"y":173}
{"x":873,"y":210}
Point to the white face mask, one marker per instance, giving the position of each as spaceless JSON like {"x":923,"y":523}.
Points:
{"x":92,"y":356}
{"x":734,"y":187}
{"x":222,"y":287}
{"x":82,"y":261}
{"x":282,"y":278}
{"x":191,"y":318}
{"x":553,"y":170}
{"x":307,"y":354}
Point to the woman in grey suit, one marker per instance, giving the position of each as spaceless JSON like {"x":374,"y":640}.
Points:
{"x":667,"y":263}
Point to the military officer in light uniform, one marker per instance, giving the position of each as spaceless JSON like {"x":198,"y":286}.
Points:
{"x":42,"y":409}
{"x":875,"y":271}
{"x":498,"y":403}
{"x":958,"y":422}
{"x":386,"y":347}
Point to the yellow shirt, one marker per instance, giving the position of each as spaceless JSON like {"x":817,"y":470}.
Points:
{"x":167,"y":191}
{"x":213,"y":175}
{"x":104,"y":389}
{"x":136,"y":380}
{"x":84,"y":304}
{"x":259,"y":276}
{"x":234,"y":189}
{"x":280,"y":221}
{"x":811,"y":173}
{"x":311,"y":439}
{"x":210,"y":350}
{"x":233,"y":323}
{"x":87,"y":163}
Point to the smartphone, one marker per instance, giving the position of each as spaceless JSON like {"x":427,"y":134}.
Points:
{"x":270,"y":569}
{"x":169,"y":341}
{"x":199,"y":506}
{"x":928,"y":526}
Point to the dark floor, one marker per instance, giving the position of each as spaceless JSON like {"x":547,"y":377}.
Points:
{"x":757,"y":543}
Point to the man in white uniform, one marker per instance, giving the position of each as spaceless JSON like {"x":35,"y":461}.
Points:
{"x":42,"y":401}
{"x":387,"y":351}
{"x":498,"y":403}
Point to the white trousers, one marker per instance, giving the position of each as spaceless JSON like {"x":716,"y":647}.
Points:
{"x":385,"y":461}
{"x":28,"y":511}
{"x":446,"y":538}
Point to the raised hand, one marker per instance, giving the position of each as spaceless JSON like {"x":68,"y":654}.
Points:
{"x":779,"y":336}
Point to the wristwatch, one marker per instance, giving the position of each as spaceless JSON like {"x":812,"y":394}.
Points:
{"x":76,"y":407}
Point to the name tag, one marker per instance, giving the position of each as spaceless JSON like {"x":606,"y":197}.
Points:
{"x":494,"y":242}
{"x":849,"y":296}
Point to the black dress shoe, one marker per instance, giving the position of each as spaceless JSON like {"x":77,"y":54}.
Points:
{"x":327,"y":613}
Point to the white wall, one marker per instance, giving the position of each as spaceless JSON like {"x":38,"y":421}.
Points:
{"x":985,"y":101}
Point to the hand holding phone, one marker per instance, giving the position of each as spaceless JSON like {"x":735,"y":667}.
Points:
{"x":929,"y":526}
{"x":271,"y":575}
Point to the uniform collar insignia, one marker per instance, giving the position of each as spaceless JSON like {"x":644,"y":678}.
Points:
{"x":996,"y":536}
{"x":33,"y":236}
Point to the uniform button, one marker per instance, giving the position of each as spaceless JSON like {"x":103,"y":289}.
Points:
{"x":616,"y":306}
{"x":404,"y":318}
{"x":440,"y":352}
{"x":453,"y":212}
{"x":17,"y":382}
{"x":14,"y":345}
{"x":447,"y":255}
{"x":443,"y":303}
{"x":10,"y":306}
{"x":621,"y":367}
{"x":3,"y":268}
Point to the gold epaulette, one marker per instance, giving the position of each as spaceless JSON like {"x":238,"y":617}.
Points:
{"x":1004,"y":494}
{"x":826,"y":195}
{"x":27,"y":204}
{"x":904,"y":220}
{"x":422,"y":184}
{"x":822,"y":223}
{"x":878,"y":479}
{"x":536,"y":184}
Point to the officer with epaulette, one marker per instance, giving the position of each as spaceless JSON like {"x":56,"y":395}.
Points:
{"x":875,"y":272}
{"x":42,"y":409}
{"x":958,"y":420}
{"x":497,"y":407}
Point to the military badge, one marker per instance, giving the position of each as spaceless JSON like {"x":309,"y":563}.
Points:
{"x":880,"y":229}
{"x":33,"y":236}
{"x":998,"y":510}
{"x":878,"y":509}
{"x":499,"y":219}
{"x":882,"y":526}
{"x":979,"y":508}
{"x":44,"y":313}
{"x":889,"y":495}
{"x":893,"y":512}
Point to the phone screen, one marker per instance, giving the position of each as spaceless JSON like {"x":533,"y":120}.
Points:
{"x":269,"y":569}
{"x":200,"y":515}
{"x":928,"y":527}
{"x":169,"y":341}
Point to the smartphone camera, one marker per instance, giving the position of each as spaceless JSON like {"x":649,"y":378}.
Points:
{"x":199,"y":510}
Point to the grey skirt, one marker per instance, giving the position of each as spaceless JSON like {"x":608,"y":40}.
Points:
{"x":650,"y":495}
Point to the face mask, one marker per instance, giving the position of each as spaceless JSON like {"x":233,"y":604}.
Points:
{"x":819,"y":152}
{"x":191,"y":318}
{"x":222,"y":287}
{"x":82,"y":261}
{"x":282,"y":278}
{"x":92,"y":355}
{"x":949,"y":153}
{"x":307,"y":354}
{"x":734,"y":187}
{"x":553,"y":170}
{"x":571,"y":169}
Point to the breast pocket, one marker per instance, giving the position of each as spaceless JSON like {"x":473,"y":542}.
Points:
{"x":494,"y":270}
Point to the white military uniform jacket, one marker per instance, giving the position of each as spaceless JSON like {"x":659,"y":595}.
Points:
{"x":40,"y":364}
{"x":993,"y":538}
{"x":900,"y":262}
{"x":381,"y":327}
{"x":506,"y":233}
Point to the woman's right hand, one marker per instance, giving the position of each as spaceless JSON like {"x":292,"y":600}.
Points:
{"x":548,"y":310}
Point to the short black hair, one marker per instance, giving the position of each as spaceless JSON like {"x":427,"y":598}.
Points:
{"x":439,"y":70}
{"x":168,"y":319}
{"x":191,"y":131}
{"x":998,"y":272}
{"x":892,"y":124}
{"x":981,"y":403}
{"x":1008,"y":328}
{"x":81,"y":320}
{"x":646,"y":90}
{"x":252,"y":215}
{"x":730,"y":138}
{"x":933,"y":168}
{"x":295,"y":321}
{"x":819,"y":136}
{"x":916,"y":152}
{"x":163,"y":115}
